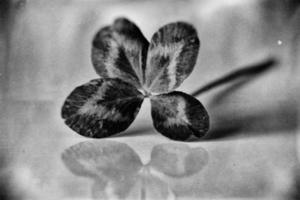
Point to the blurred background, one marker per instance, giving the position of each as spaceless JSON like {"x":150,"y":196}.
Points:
{"x":252,"y":145}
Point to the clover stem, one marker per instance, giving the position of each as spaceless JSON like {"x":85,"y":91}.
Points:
{"x":251,"y":70}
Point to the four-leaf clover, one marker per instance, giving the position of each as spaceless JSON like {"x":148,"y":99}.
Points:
{"x":132,"y":69}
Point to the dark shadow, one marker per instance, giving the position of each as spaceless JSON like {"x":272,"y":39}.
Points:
{"x":146,"y":130}
{"x":271,"y":121}
{"x":248,"y":71}
{"x":224,"y":94}
{"x":217,"y":134}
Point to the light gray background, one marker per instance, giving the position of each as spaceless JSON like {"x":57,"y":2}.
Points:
{"x":45,"y":53}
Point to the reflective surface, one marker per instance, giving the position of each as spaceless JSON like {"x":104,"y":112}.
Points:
{"x":118,"y":173}
{"x":251,"y":150}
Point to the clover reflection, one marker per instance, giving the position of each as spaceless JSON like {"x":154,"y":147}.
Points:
{"x":117,"y":171}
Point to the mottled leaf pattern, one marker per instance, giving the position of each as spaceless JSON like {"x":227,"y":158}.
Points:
{"x":102,"y":107}
{"x":119,"y":51}
{"x":126,"y":62}
{"x":178,"y":160}
{"x":178,"y":116}
{"x":171,"y":57}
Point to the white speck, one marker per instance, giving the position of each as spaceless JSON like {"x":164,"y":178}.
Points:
{"x":279,"y":42}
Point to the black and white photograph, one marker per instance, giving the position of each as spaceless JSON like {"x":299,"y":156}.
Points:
{"x":149,"y":99}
